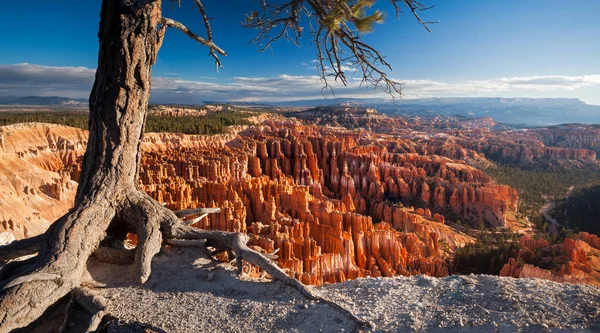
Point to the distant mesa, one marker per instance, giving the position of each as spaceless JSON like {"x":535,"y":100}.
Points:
{"x":518,"y":112}
{"x":43,"y":101}
{"x":523,"y":111}
{"x":333,"y":111}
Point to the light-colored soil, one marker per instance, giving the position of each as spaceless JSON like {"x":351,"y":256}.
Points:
{"x":190,"y":293}
{"x":471,"y":304}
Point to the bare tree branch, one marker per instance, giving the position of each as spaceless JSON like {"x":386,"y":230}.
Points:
{"x":415,"y":7}
{"x":214,"y":49}
{"x":339,"y":45}
{"x":205,"y":19}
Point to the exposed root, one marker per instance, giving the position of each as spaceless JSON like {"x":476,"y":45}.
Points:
{"x":197,"y":211}
{"x":115,"y":256}
{"x":59,"y":266}
{"x":85,"y":311}
{"x":187,"y":242}
{"x":20,"y":248}
{"x":237,"y":243}
{"x":145,"y":215}
{"x":149,"y":243}
{"x":30,"y":278}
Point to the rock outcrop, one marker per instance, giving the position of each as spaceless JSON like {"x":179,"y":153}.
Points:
{"x":571,"y":136}
{"x":335,"y":203}
{"x":576,"y":260}
{"x":35,"y":186}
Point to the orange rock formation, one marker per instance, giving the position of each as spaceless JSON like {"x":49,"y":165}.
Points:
{"x":336,"y":203}
{"x":331,"y":200}
{"x":575,"y":260}
{"x":35,"y":189}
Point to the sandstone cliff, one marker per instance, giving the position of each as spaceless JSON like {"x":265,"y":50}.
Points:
{"x":576,"y":260}
{"x":336,"y":203}
{"x":35,"y":188}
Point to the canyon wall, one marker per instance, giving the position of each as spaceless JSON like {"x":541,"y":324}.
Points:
{"x":337,"y":204}
{"x":572,"y":136}
{"x":35,"y":186}
{"x":321,"y":197}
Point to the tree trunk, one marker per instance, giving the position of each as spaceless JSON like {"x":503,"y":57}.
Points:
{"x":119,"y":99}
{"x":118,"y":104}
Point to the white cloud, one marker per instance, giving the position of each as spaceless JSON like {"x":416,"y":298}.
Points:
{"x":524,"y":85}
{"x":76,"y":82}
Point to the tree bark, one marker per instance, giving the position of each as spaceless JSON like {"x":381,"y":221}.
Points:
{"x":118,"y":104}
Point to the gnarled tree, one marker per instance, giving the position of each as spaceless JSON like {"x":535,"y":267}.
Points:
{"x":108,"y":202}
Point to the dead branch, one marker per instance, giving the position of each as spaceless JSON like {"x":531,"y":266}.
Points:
{"x":415,"y":7}
{"x":197,"y":211}
{"x":339,"y":46}
{"x":194,"y":221}
{"x":214,"y":49}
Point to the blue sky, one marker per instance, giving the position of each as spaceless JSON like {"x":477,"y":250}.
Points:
{"x":505,"y":48}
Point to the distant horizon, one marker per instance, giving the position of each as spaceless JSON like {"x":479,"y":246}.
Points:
{"x":265,"y":101}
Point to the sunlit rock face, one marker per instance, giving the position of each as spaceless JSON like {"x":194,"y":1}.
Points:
{"x":337,"y":204}
{"x":569,"y":145}
{"x":576,"y":260}
{"x":36,"y":187}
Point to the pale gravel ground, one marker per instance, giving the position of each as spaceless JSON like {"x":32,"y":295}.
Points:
{"x":190,"y":294}
{"x":474,"y":303}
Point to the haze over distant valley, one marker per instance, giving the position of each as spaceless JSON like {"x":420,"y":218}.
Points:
{"x":520,"y":112}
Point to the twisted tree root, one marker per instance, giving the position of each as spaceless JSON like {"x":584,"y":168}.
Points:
{"x":94,"y":308}
{"x":237,"y":243}
{"x":59,"y":266}
{"x":67,"y":245}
